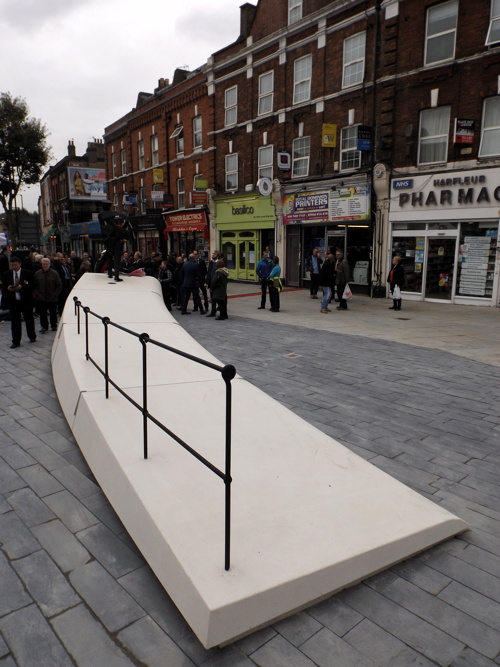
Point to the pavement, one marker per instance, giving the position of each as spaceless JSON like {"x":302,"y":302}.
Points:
{"x":416,"y":392}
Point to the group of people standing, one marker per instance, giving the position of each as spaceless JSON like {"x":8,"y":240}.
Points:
{"x":331,"y":274}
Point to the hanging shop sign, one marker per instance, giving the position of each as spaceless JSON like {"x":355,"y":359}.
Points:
{"x":464,"y":131}
{"x":158,"y":176}
{"x":199,"y":197}
{"x":157,"y":195}
{"x":284,"y":160}
{"x":329,"y":135}
{"x":364,"y":138}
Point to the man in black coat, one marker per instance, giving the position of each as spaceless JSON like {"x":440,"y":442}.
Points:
{"x":190,"y":283}
{"x":115,"y":227}
{"x":202,"y":279}
{"x":18,"y":285}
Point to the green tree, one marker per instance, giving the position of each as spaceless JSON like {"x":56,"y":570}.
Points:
{"x":23,"y":152}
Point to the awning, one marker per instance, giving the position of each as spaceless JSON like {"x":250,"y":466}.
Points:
{"x":45,"y":237}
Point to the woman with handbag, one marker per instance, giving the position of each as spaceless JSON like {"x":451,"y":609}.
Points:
{"x":396,"y":280}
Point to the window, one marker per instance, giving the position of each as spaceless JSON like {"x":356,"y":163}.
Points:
{"x":490,"y":137}
{"x":157,"y":203}
{"x":441,"y":32}
{"x":115,"y":202}
{"x":300,"y":156}
{"x":494,"y":29}
{"x":266,"y":162}
{"x":113,"y":165}
{"x":143,"y":202}
{"x":354,"y":60}
{"x":197,"y":135}
{"x":433,"y":137}
{"x":302,"y":70}
{"x":140,"y":152}
{"x":294,"y":11}
{"x":155,"y":156}
{"x":350,"y":157}
{"x":266,"y":88}
{"x":123,"y":155}
{"x":181,"y":193}
{"x":232,"y":171}
{"x":178,"y":135}
{"x":231,"y":106}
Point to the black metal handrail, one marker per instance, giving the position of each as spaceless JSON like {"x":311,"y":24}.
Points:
{"x":227,"y":372}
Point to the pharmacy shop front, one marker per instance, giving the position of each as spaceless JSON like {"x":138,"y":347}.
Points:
{"x":445,"y":229}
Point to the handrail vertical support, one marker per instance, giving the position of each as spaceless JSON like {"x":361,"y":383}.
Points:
{"x":86,"y":311}
{"x":144,"y":339}
{"x":228,"y":374}
{"x":106,"y":321}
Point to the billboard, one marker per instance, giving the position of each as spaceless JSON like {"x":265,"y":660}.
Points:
{"x":86,"y":183}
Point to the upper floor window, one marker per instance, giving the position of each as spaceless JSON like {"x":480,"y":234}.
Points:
{"x":197,"y":134}
{"x":266,"y":162}
{"x":494,"y":29}
{"x":300,"y":156}
{"x":441,"y":32}
{"x":302,"y":72}
{"x":181,"y":193}
{"x":354,"y":60}
{"x":140,"y":153}
{"x":178,"y":135}
{"x":350,"y":157}
{"x":115,"y":201}
{"x":155,"y":155}
{"x":433,"y":135}
{"x":231,"y":106}
{"x":123,"y":155}
{"x":294,"y":11}
{"x":113,"y":165}
{"x":157,"y":203}
{"x":143,"y":202}
{"x":232,"y":171}
{"x":266,"y":92}
{"x":490,"y":135}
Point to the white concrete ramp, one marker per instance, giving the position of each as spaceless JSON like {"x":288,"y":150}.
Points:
{"x":309,"y":517}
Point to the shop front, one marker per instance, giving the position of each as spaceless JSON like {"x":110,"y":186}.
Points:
{"x":445,"y":229}
{"x":187,"y":230}
{"x":245,"y":226}
{"x":148,"y":232}
{"x":335,"y":215}
{"x":87,"y":237}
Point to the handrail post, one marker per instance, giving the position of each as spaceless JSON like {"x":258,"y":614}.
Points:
{"x":106,"y":321}
{"x":77,"y":313}
{"x":144,"y":339}
{"x":86,"y":311}
{"x":228,"y":373}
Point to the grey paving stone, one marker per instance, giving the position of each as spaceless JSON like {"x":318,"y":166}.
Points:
{"x":375,"y":643}
{"x":46,"y":583}
{"x":422,"y":576}
{"x":12,"y":593}
{"x":99,"y":505}
{"x":17,"y":412}
{"x":257,"y":639}
{"x":147,"y":642}
{"x":5,"y":439}
{"x":4,"y":649}
{"x":76,"y":458}
{"x":16,"y":540}
{"x":4,"y":506}
{"x":280,"y":653}
{"x":8,"y":424}
{"x":29,"y":508}
{"x":39,"y":646}
{"x":87,"y":641}
{"x":58,"y":442}
{"x":71,"y":511}
{"x":33,"y":424}
{"x":230,"y":656}
{"x":298,"y":628}
{"x":109,"y":550}
{"x":16,"y":457}
{"x":25,"y":438}
{"x":9,"y":479}
{"x":326,"y":649}
{"x":40,"y":481}
{"x":474,"y":604}
{"x":62,"y":546}
{"x":79,"y":485}
{"x":469,"y":658}
{"x":108,"y":600}
{"x":47,"y":457}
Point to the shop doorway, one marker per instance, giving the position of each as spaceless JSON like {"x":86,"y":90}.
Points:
{"x":440,"y":271}
{"x":293,"y":252}
{"x":240,"y":251}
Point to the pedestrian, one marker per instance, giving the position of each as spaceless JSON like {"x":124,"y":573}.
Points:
{"x":85,"y":267}
{"x":18,"y":285}
{"x":219,"y":289}
{"x":396,"y":279}
{"x":62,"y":269}
{"x":177,"y":280}
{"x":264,"y":268}
{"x":313,"y":265}
{"x":326,"y":280}
{"x":342,"y":278}
{"x":275,"y":285}
{"x":211,"y":269}
{"x":190,"y":283}
{"x":202,"y":270}
{"x":48,"y":286}
{"x":165,"y":278}
{"x":115,"y":227}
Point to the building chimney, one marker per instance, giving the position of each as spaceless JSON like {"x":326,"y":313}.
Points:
{"x":247,"y":13}
{"x":71,"y":149}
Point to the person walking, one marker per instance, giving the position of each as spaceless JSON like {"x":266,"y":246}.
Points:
{"x":190,"y":286}
{"x":396,"y":279}
{"x":48,"y":286}
{"x":219,"y":289}
{"x":264,"y":268}
{"x":165,"y":278}
{"x":18,"y":285}
{"x":202,"y":271}
{"x":342,"y":278}
{"x":326,"y":280}
{"x":211,"y":269}
{"x":313,"y":265}
{"x":275,"y":285}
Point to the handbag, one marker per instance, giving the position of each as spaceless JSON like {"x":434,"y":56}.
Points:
{"x":396,"y":292}
{"x":347,"y":292}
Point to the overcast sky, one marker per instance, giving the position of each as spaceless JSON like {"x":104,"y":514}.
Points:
{"x":80,"y":64}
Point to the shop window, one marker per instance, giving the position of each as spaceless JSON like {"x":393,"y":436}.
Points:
{"x":490,"y":132}
{"x":266,"y":93}
{"x":441,"y":32}
{"x":143,"y":202}
{"x":354,"y":60}
{"x":302,"y":72}
{"x":300,"y":157}
{"x":350,"y":157}
{"x":140,"y":153}
{"x":476,"y":259}
{"x":433,"y":136}
{"x":494,"y":30}
{"x":113,"y":165}
{"x":294,"y":11}
{"x":155,"y":155}
{"x":181,"y":193}
{"x":231,"y":106}
{"x":266,"y":162}
{"x":197,"y":133}
{"x":232,"y":172}
{"x":123,"y":155}
{"x":411,"y":250}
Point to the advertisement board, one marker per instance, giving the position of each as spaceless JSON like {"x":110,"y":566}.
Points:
{"x":86,"y":183}
{"x":343,"y":203}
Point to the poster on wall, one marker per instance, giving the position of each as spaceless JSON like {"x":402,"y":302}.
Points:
{"x":343,"y":203}
{"x":85,"y":183}
{"x":307,"y":207}
{"x":352,"y":203}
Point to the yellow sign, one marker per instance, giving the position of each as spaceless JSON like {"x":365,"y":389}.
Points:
{"x":157,"y":175}
{"x":329,"y":136}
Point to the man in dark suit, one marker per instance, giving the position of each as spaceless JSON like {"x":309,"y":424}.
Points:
{"x":18,"y":285}
{"x":191,"y":277}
